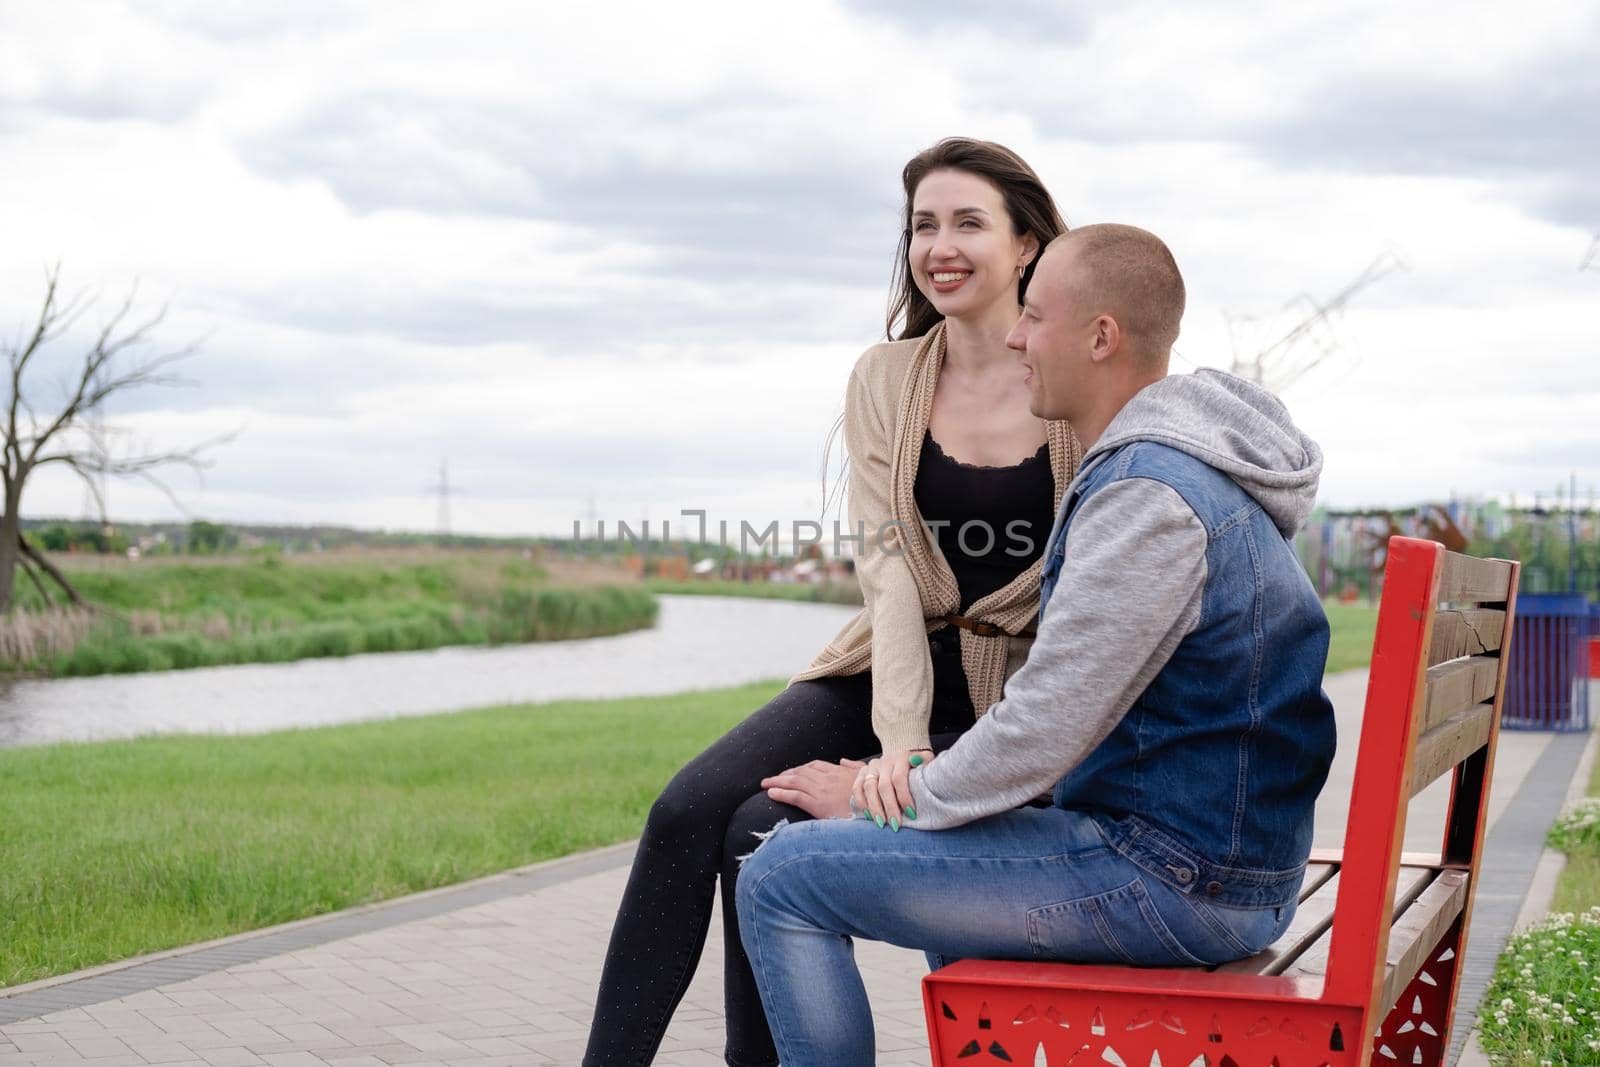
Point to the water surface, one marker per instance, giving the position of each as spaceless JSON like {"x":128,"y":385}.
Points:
{"x":697,"y":643}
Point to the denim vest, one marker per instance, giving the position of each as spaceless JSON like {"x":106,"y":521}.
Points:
{"x":1209,"y":780}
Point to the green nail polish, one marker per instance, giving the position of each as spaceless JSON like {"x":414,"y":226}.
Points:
{"x":911,"y":813}
{"x":894,"y":824}
{"x":878,"y":819}
{"x":916,"y":761}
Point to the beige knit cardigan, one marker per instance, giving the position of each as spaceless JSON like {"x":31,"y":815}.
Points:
{"x":905,"y":580}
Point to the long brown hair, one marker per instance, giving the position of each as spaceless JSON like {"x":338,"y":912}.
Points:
{"x":1029,"y":204}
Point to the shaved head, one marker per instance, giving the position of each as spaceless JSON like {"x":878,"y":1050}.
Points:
{"x":1130,"y":275}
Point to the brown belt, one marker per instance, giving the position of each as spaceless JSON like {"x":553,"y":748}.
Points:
{"x":981,"y":628}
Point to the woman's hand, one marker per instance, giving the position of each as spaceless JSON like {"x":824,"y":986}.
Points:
{"x":818,"y":788}
{"x":882,"y":788}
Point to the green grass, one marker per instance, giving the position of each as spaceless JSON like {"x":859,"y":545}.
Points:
{"x":1353,"y":627}
{"x":1577,"y":833}
{"x":120,"y":848}
{"x":1543,"y":1005}
{"x":263,"y":610}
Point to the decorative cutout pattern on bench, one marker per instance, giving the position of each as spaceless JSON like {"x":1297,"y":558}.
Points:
{"x":1044,"y":1028}
{"x":1414,"y":1031}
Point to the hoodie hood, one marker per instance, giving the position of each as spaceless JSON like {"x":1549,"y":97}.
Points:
{"x":1230,"y":424}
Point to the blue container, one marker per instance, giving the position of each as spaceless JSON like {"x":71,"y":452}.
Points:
{"x":1547,"y":680}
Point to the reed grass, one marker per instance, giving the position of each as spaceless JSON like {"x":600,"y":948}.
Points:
{"x":166,"y":615}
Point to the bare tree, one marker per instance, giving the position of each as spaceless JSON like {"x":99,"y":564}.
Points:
{"x":1283,"y":355}
{"x":68,"y":432}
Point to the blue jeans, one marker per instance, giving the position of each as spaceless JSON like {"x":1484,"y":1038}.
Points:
{"x":1029,"y":884}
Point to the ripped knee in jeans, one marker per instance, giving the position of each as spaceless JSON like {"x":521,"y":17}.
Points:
{"x":761,"y":839}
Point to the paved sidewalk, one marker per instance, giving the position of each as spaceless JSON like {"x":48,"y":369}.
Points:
{"x":503,"y":970}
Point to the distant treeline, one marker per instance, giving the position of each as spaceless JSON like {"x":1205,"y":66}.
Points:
{"x":201,"y":537}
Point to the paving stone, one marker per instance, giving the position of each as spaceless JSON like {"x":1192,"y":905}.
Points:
{"x":231,"y":1056}
{"x":92,"y":1046}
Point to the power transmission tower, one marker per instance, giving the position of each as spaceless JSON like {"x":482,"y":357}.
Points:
{"x":1287,"y":355}
{"x":444,"y":489}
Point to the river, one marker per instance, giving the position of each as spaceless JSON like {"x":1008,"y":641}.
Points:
{"x":698,"y":642}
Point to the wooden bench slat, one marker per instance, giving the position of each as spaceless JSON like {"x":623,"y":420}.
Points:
{"x":1335,"y":856}
{"x":1317,"y":873}
{"x":1419,"y":930}
{"x":1313,"y":962}
{"x":1469,"y":580}
{"x":1447,"y":744}
{"x":1465,"y":632}
{"x":1457,"y":685}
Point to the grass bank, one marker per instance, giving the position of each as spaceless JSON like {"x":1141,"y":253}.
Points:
{"x":171,"y":614}
{"x":1543,"y":1006}
{"x":120,"y":848}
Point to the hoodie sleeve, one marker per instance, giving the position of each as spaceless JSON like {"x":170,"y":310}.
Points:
{"x":1131,"y":586}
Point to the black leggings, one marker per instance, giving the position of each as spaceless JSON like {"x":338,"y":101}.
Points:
{"x":703,"y":821}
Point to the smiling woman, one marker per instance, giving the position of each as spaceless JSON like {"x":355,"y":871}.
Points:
{"x":955,"y":482}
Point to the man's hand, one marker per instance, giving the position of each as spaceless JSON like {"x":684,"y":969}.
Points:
{"x":820,"y":789}
{"x":882,"y":788}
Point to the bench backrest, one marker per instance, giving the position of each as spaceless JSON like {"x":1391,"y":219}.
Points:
{"x":1433,"y":705}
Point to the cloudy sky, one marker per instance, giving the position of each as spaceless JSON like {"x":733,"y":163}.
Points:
{"x":617,"y":260}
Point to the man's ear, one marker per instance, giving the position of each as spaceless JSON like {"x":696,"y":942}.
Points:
{"x":1106,"y":340}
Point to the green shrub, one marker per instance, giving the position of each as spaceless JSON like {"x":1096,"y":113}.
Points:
{"x":1577,"y":829}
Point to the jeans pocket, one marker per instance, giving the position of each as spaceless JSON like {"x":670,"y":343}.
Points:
{"x":1122,"y":926}
{"x":1239,"y":932}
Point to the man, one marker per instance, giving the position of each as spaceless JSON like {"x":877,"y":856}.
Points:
{"x":1172,"y":698}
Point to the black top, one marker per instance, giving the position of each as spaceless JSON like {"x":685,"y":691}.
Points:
{"x":991,"y":522}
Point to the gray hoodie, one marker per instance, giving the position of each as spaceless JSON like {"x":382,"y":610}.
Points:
{"x":1131,"y":584}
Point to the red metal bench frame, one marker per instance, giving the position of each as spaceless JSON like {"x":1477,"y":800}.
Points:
{"x":1377,"y":995}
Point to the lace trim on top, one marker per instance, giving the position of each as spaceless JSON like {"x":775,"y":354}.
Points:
{"x":1042,"y":453}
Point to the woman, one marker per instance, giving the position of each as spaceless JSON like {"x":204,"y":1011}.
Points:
{"x":938,"y":430}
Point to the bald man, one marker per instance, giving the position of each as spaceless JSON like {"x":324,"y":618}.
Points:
{"x":1172,"y":702}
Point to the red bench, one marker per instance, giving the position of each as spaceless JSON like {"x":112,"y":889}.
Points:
{"x":1367,"y":972}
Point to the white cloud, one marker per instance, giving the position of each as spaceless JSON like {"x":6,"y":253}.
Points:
{"x":628,"y":253}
